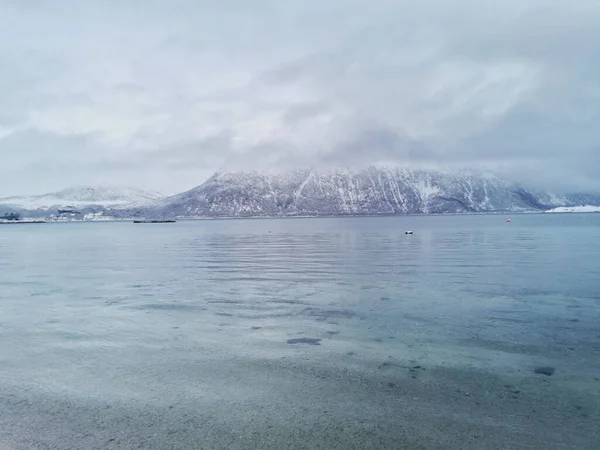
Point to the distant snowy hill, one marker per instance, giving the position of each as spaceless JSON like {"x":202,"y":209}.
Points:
{"x":575,"y":209}
{"x":374,"y":190}
{"x":79,"y":200}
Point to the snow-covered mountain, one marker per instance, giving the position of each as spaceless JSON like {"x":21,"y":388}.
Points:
{"x":79,"y":200}
{"x":575,"y":209}
{"x":374,"y":190}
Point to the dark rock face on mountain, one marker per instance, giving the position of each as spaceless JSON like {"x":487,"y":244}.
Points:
{"x":370,"y":191}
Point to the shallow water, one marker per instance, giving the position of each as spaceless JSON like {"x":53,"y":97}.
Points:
{"x":304,"y":333}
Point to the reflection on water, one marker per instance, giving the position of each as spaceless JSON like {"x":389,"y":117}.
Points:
{"x":258,"y":331}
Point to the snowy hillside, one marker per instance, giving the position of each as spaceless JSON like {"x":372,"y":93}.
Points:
{"x":375,"y":190}
{"x":371,"y":191}
{"x":575,"y":209}
{"x":83,"y":196}
{"x":77,"y":202}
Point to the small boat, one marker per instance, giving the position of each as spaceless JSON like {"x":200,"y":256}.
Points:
{"x":155,"y":221}
{"x":408,"y":232}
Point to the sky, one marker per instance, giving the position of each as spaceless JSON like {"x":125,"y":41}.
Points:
{"x":159,"y":94}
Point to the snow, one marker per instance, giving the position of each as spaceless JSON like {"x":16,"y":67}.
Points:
{"x":48,"y":202}
{"x":575,"y":209}
{"x":373,"y":190}
{"x":82,"y":197}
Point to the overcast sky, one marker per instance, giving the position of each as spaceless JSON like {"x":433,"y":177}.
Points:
{"x":159,"y":94}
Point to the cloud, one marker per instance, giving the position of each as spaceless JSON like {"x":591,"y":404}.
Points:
{"x":161,"y":94}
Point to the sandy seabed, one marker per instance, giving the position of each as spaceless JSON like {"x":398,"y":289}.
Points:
{"x":301,"y":397}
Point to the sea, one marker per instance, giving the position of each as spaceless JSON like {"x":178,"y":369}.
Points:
{"x":332,"y":333}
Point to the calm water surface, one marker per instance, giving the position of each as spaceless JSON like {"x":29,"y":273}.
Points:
{"x":117,"y":335}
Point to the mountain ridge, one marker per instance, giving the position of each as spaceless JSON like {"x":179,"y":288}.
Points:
{"x":85,"y":194}
{"x":305,"y":192}
{"x":78,"y":201}
{"x":374,"y":190}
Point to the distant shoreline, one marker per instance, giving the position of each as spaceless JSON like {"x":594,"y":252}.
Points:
{"x":22,"y":222}
{"x":342,"y":216}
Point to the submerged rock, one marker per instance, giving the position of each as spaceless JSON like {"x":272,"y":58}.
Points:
{"x":304,"y":340}
{"x":323,"y":315}
{"x":549,"y":371}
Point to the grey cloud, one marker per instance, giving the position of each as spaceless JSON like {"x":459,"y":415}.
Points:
{"x":267,"y":154}
{"x":128,"y":88}
{"x":30,"y":145}
{"x":543,"y":108}
{"x":188,"y":154}
{"x":303,"y":111}
{"x":120,"y":90}
{"x":372,"y":145}
{"x":33,"y":161}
